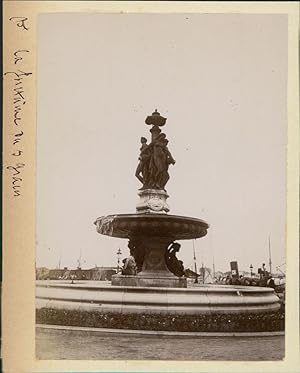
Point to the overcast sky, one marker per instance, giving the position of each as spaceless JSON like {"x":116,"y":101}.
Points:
{"x":221,"y":82}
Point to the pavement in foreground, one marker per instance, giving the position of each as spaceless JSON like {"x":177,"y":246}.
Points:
{"x":54,"y":344}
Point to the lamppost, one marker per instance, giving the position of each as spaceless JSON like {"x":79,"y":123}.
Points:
{"x":251,"y":268}
{"x":119,"y":253}
{"x":195,"y":263}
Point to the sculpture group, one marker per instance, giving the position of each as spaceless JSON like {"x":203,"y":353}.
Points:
{"x":155,"y":158}
{"x":134,"y":263}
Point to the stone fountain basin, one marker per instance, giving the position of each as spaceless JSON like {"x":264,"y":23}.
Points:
{"x":208,"y":308}
{"x":204,"y":298}
{"x":173,"y":227}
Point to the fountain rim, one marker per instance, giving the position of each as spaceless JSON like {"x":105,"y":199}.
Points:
{"x":203,"y":288}
{"x":159,"y":225}
{"x":152,"y":215}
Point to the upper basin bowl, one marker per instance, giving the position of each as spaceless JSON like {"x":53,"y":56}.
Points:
{"x":151,"y":224}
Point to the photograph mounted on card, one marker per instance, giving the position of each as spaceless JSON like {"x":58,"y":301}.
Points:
{"x":151,"y":164}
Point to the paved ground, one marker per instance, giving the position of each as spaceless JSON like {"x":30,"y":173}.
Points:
{"x":84,"y":345}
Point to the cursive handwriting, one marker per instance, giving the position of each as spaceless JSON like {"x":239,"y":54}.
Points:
{"x":18,"y":96}
{"x":15,"y":179}
{"x":18,"y":58}
{"x":16,"y":78}
{"x":17,"y":138}
{"x":20,"y":22}
{"x":18,"y":93}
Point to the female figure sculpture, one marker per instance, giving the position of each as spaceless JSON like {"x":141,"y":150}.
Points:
{"x":142,"y":169}
{"x":173,"y":264}
{"x":154,"y":163}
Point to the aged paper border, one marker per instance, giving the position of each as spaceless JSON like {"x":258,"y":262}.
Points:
{"x":19,"y":213}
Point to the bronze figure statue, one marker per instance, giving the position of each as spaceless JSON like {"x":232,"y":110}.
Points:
{"x":142,"y":169}
{"x":173,"y":263}
{"x":160,"y":160}
{"x":155,"y":158}
{"x":137,"y":252}
{"x":129,"y":266}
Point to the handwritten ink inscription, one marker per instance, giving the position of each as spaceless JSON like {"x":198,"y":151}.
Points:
{"x":18,"y":55}
{"x":21,"y":22}
{"x":17,"y":81}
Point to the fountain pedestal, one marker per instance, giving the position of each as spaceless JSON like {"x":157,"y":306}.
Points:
{"x":152,"y":200}
{"x":150,"y":235}
{"x":155,"y":272}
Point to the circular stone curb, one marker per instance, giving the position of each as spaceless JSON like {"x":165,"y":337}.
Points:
{"x":160,"y":333}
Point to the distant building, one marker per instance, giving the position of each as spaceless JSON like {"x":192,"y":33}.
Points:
{"x":42,"y":273}
{"x":103,"y":273}
{"x":96,"y":273}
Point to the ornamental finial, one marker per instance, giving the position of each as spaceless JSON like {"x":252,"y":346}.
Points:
{"x":155,"y":119}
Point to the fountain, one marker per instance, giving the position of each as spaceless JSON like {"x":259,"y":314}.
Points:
{"x":151,"y":230}
{"x":153,"y":293}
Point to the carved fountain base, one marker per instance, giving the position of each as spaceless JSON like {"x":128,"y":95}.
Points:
{"x":150,"y":235}
{"x":156,"y":281}
{"x":155,"y":272}
{"x":165,"y":227}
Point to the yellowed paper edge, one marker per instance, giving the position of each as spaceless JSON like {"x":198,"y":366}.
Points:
{"x":18,"y":347}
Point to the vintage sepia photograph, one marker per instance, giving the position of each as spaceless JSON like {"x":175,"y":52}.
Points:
{"x":161,"y":186}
